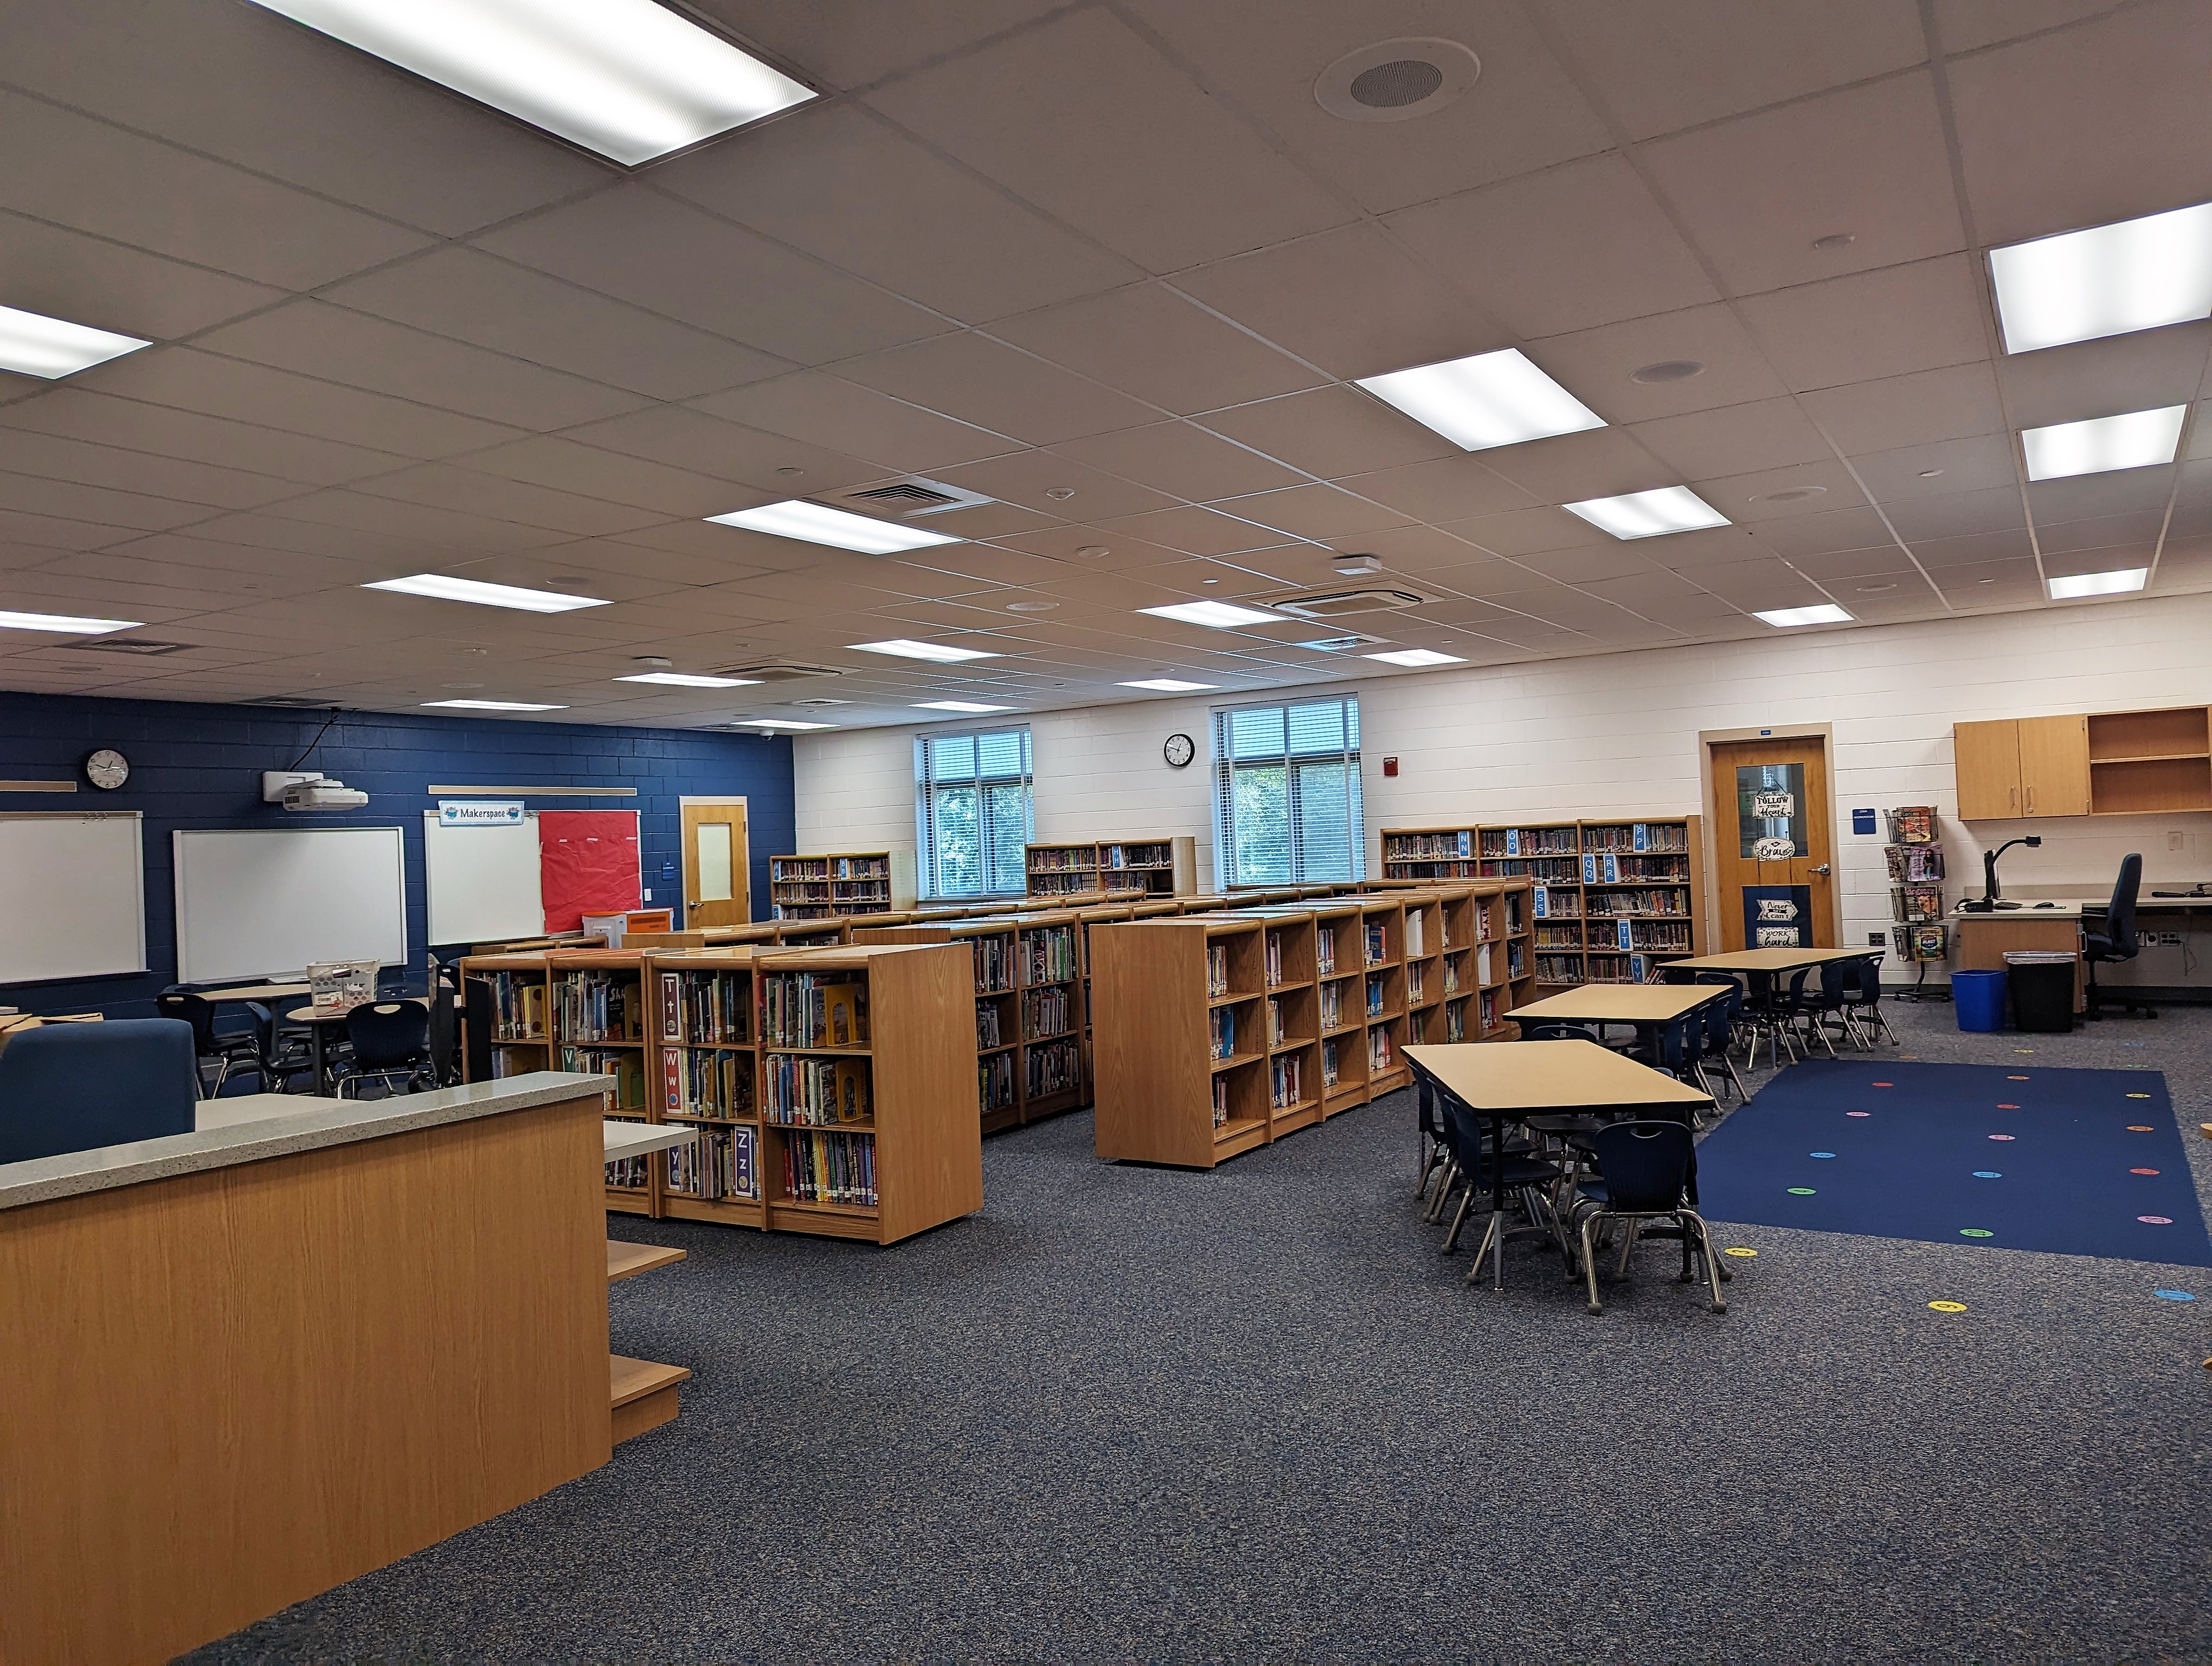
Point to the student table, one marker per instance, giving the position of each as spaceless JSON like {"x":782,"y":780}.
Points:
{"x":318,"y":1021}
{"x":1646,"y":1006}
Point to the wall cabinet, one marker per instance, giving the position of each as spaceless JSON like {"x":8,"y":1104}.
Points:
{"x":2100,"y":763}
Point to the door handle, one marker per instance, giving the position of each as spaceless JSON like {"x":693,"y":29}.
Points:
{"x":1822,"y":869}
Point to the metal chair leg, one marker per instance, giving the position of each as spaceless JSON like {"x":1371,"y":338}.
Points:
{"x":1590,"y":1263}
{"x":1690,"y":1217}
{"x":1466,"y":1203}
{"x":1489,"y":1236}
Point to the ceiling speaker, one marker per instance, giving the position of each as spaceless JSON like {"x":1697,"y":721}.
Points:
{"x":1396,"y":80}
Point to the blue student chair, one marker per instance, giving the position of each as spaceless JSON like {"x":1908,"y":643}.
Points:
{"x":391,"y":1042}
{"x":68,"y":1087}
{"x":1646,"y":1172}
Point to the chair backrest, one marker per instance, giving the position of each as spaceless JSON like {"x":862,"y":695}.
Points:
{"x":1718,"y":1030}
{"x":187,"y":1008}
{"x":387,"y":1034}
{"x":2120,"y":918}
{"x":1838,"y":980}
{"x":1735,"y":986}
{"x":1795,"y":995}
{"x":1645,"y":1165}
{"x":445,"y":1026}
{"x":1866,"y":980}
{"x":1557,"y":1032}
{"x":67,"y":1087}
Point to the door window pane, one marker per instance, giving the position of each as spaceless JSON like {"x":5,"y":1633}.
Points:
{"x":1770,"y":800}
{"x":711,"y":841}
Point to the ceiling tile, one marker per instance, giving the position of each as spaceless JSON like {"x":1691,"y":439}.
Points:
{"x":58,"y":533}
{"x":1769,"y":434}
{"x":849,"y":42}
{"x":1949,"y":404}
{"x":1659,"y":69}
{"x":1824,"y":531}
{"x":826,"y":410}
{"x":1770,"y":495}
{"x":89,"y":279}
{"x":1521,"y":532}
{"x":839,"y":182}
{"x":101,"y":506}
{"x":979,"y":380}
{"x":1957,"y":514}
{"x":1569,"y":467}
{"x":1181,"y":459}
{"x":1868,"y":163}
{"x":1592,"y":563}
{"x":1148,"y":340}
{"x":2138,"y":372}
{"x":669,"y":258}
{"x":1028,"y":478}
{"x":563,"y":465}
{"x":54,"y":458}
{"x":1965,"y":466}
{"x":1873,"y":325}
{"x":2120,"y":491}
{"x":457,"y":535}
{"x":1448,"y":489}
{"x":1195,"y":532}
{"x":133,"y":426}
{"x":2088,"y":125}
{"x":1332,"y":431}
{"x":1566,"y":249}
{"x":688,"y":438}
{"x":68,"y":169}
{"x":1598,"y":367}
{"x":1961,"y":26}
{"x":1312,"y":511}
{"x":2100,"y":543}
{"x":1123,"y":550}
{"x":442,"y":485}
{"x":1089,"y":149}
{"x":1294,"y":296}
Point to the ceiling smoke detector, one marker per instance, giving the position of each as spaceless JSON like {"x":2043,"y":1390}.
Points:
{"x":1396,"y":80}
{"x":1337,"y":603}
{"x":910,"y":498}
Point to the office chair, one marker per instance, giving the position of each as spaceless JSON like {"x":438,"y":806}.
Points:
{"x":68,"y":1088}
{"x":2109,"y":934}
{"x":391,"y":1038}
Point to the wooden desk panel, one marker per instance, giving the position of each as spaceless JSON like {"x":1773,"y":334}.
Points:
{"x":230,"y":1390}
{"x":1983,"y":939}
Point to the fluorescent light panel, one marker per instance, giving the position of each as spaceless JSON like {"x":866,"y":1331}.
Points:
{"x":1216,"y":616}
{"x":815,"y":523}
{"x":2135,"y":440}
{"x":779,"y":723}
{"x":1171,"y":685}
{"x":64,"y":625}
{"x":2078,"y":585}
{"x":957,"y":706}
{"x":905,"y":647}
{"x":2107,"y":281}
{"x":684,"y":679}
{"x":1416,"y":656}
{"x":627,"y":78}
{"x":1818,"y":613}
{"x":1648,"y":515}
{"x":33,"y":344}
{"x":1491,"y":400}
{"x":439,"y":587}
{"x":495,"y":705}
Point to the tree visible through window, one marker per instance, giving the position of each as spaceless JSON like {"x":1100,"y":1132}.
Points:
{"x":1286,"y":794}
{"x":972,"y":815}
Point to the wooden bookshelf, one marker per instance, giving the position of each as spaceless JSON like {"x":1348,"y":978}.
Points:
{"x":840,"y":883}
{"x":1165,"y":867}
{"x":1430,"y":852}
{"x":1611,"y":899}
{"x":706,"y":1075}
{"x":596,"y":1007}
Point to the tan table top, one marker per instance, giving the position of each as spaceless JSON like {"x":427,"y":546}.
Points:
{"x":254,"y":992}
{"x":1768,"y":960}
{"x":1503,"y":1078}
{"x":1620,"y":1003}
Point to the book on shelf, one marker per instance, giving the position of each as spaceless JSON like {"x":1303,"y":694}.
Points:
{"x":1049,"y":954}
{"x":1489,"y":1013}
{"x":1332,"y":1005}
{"x":1325,"y":951}
{"x":1328,"y":1064}
{"x":1416,"y":984}
{"x":1517,"y":960}
{"x":1220,"y":1100}
{"x":1413,"y":949}
{"x":831,"y":1168}
{"x":627,"y":1066}
{"x":1451,"y":975}
{"x":630,"y":1174}
{"x":1378,"y":1050}
{"x":600,"y":1004}
{"x":1045,"y":1013}
{"x":1284,"y":1087}
{"x":1217,"y":968}
{"x":706,"y":1008}
{"x":987,"y":1025}
{"x":1054,"y":1067}
{"x":815,"y":1092}
{"x":517,"y":1006}
{"x":1482,"y":963}
{"x":706,"y":1082}
{"x":1274,"y":1022}
{"x":720,"y":1162}
{"x":1377,"y":938}
{"x":1456,"y":1021}
{"x":1430,"y":847}
{"x":1375,"y":989}
{"x":1223,"y":1022}
{"x":994,"y":1081}
{"x":1274,"y":958}
{"x":995,"y":965}
{"x":808,"y":1009}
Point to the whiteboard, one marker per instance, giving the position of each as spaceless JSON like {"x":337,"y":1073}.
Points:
{"x":483,"y":881}
{"x":251,"y":902}
{"x":74,"y":896}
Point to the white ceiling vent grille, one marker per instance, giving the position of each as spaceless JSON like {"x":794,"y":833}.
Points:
{"x":909,"y":498}
{"x":1396,"y":80}
{"x":778,"y":671}
{"x":144,"y":647}
{"x":1335,"y":604}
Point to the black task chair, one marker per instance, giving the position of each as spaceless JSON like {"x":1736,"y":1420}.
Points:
{"x":391,"y":1040}
{"x":2109,"y":934}
{"x":226,"y":1049}
{"x":1645,"y":1172}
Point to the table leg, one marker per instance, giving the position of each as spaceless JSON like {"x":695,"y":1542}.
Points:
{"x":315,"y":1056}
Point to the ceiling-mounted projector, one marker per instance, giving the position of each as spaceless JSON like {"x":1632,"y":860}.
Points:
{"x":309,"y":791}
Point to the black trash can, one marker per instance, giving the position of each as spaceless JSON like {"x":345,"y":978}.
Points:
{"x":2041,"y":982}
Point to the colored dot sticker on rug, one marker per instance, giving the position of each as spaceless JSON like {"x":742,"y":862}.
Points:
{"x":1800,"y":1191}
{"x":1987,"y":1174}
{"x":1948,"y":1307}
{"x":1819,"y":1154}
{"x":1885,"y":1083}
{"x":2023,"y":1049}
{"x":2003,"y":1136}
{"x":2002,"y":1106}
{"x":2015,"y":1078}
{"x":2155,"y":1220}
{"x":2141,"y":1128}
{"x":1858,"y":1113}
{"x":1738,"y":1249}
{"x":2139,"y":1096}
{"x":1976,"y":1233}
{"x":2174,"y":1295}
{"x":2143,"y":1171}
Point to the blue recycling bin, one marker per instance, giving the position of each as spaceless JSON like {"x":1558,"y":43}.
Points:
{"x":1978,"y":998}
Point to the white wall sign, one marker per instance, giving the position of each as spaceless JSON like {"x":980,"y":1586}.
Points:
{"x":456,"y":813}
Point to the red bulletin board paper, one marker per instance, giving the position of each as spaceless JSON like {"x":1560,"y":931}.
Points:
{"x":588,"y":858}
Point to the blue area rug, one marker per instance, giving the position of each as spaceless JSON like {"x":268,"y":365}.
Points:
{"x":2075,"y":1162}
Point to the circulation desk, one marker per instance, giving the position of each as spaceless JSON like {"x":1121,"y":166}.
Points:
{"x":245,"y":1364}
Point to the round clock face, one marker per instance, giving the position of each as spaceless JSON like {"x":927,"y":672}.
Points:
{"x":107,"y":769}
{"x":1179,"y":751}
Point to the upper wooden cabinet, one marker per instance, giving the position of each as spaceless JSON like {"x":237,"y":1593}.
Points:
{"x":2102,"y":763}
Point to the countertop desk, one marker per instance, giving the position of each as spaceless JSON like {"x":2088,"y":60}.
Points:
{"x":1981,"y":942}
{"x":245,"y":1364}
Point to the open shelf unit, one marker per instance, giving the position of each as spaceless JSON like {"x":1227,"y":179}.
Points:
{"x":597,"y":1016}
{"x":706,"y":1073}
{"x":1428,"y":852}
{"x":1114,"y":868}
{"x":840,"y":883}
{"x":2148,"y":763}
{"x":1610,"y":901}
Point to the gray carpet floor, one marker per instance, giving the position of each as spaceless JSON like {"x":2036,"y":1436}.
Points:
{"x":1253,"y":1415}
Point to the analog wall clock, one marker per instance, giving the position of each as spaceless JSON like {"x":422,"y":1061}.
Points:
{"x":1179,"y":751}
{"x":106,"y":768}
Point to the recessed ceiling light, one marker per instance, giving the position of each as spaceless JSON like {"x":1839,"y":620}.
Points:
{"x":440,"y":586}
{"x":493,"y":706}
{"x":1059,"y":494}
{"x":64,"y":625}
{"x":903,"y":647}
{"x":684,"y":679}
{"x":1789,"y":494}
{"x":1031,"y":607}
{"x":1490,"y":400}
{"x":1834,"y":240}
{"x":1217,"y":616}
{"x":2097,"y":584}
{"x":1819,"y":613}
{"x":1874,"y":589}
{"x":1648,"y":515}
{"x":1092,"y":551}
{"x":627,"y":78}
{"x":957,"y":706}
{"x":817,"y":523}
{"x":1667,"y":370}
{"x":1170,"y":685}
{"x":1415,"y":656}
{"x":2106,"y":280}
{"x":1930,"y":474}
{"x":789,"y":472}
{"x":2133,"y":441}
{"x":777,"y":723}
{"x":33,"y":344}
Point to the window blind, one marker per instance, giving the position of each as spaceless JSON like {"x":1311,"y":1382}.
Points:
{"x":972,"y":812}
{"x":1287,"y":806}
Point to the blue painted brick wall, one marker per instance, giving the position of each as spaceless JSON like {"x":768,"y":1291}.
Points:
{"x":195,"y":766}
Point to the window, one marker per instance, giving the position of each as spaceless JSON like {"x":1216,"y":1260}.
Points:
{"x":1286,"y":794}
{"x":971,"y":811}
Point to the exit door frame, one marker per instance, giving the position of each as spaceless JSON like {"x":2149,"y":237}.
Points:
{"x":1825,"y":734}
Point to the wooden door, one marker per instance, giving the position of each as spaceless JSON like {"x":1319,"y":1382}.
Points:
{"x":1987,"y":758}
{"x":1772,"y":827}
{"x":2054,"y":766}
{"x":717,"y":863}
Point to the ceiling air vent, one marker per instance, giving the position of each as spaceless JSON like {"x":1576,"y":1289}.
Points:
{"x":779,"y":671}
{"x":1343,"y":642}
{"x":818,"y":699}
{"x":910,"y":498}
{"x":1335,"y":604}
{"x":297,"y":702}
{"x":143,"y":647}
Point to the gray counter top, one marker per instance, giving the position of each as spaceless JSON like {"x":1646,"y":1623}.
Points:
{"x":320,"y":1123}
